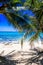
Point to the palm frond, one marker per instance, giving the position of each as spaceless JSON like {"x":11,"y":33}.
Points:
{"x":26,"y":34}
{"x":13,"y":22}
{"x":34,"y":37}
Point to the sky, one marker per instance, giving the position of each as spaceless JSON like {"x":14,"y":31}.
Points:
{"x":5,"y":25}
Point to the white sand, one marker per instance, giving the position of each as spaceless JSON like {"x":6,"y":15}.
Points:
{"x":8,"y":48}
{"x":14,"y":49}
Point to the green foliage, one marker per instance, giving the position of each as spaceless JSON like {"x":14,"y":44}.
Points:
{"x":37,"y":22}
{"x":33,"y":3}
{"x":13,"y":2}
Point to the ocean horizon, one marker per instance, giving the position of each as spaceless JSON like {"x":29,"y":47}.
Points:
{"x":9,"y":35}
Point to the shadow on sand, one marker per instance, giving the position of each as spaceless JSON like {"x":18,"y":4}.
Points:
{"x":36,"y":58}
{"x":4,"y":61}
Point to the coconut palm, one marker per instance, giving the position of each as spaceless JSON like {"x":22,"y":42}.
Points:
{"x":23,"y":25}
{"x":38,"y":20}
{"x":28,"y":27}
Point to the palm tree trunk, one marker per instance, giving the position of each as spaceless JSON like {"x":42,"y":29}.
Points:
{"x":22,"y":43}
{"x":31,"y":44}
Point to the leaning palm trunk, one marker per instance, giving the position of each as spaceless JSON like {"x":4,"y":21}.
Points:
{"x":24,"y":37}
{"x":22,"y":43}
{"x":33,"y":38}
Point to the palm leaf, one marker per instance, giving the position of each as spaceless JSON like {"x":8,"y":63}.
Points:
{"x":33,"y":38}
{"x":13,"y":22}
{"x":26,"y":34}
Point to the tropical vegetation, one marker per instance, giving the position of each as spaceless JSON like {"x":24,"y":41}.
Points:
{"x":27,"y":24}
{"x":22,"y":22}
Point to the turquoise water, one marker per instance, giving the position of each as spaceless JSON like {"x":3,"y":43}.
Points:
{"x":12,"y":36}
{"x":9,"y":36}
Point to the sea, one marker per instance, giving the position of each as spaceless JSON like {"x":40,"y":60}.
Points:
{"x":10,"y":36}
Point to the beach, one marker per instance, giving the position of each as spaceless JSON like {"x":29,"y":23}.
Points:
{"x":13,"y":51}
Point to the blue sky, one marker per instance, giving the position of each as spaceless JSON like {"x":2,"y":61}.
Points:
{"x":5,"y":25}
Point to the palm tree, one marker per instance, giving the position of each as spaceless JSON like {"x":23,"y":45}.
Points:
{"x":26,"y":26}
{"x":36,"y":25}
{"x":38,"y":20}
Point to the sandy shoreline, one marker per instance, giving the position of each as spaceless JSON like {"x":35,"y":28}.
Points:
{"x":16,"y":46}
{"x":13,"y":51}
